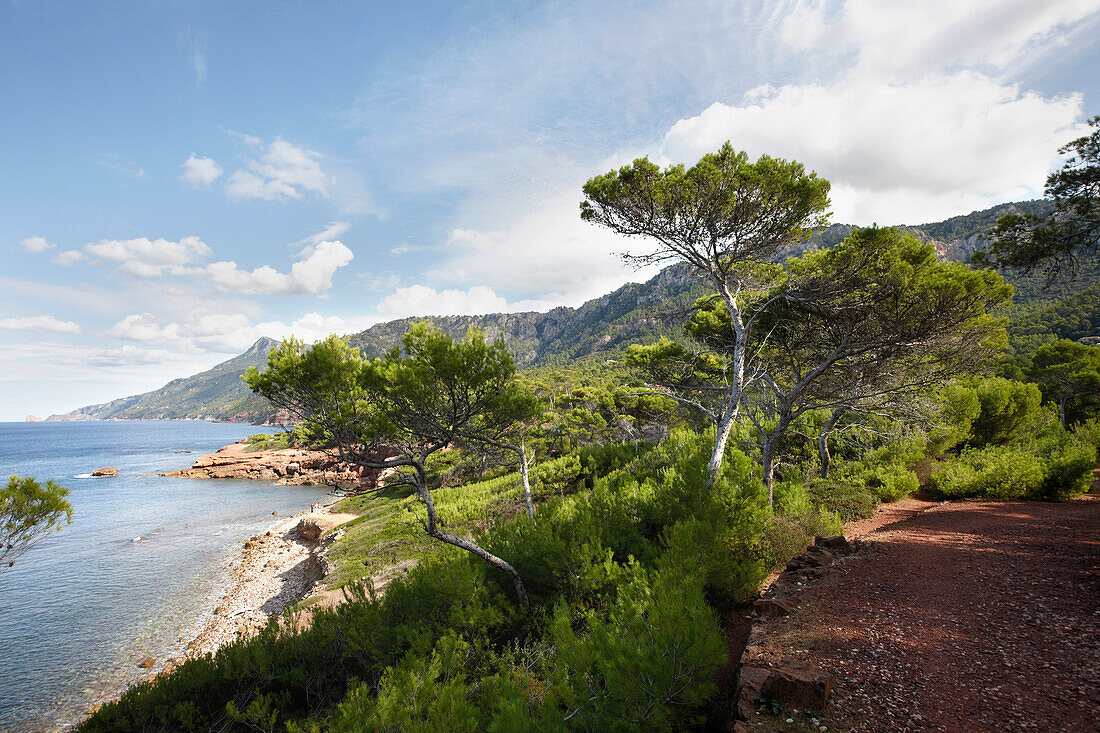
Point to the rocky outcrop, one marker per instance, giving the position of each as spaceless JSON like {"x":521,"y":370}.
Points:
{"x":108,"y":471}
{"x":291,"y":466}
{"x":309,"y":530}
{"x":793,"y":683}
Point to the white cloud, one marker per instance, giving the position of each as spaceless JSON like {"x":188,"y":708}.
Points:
{"x":67,"y":258}
{"x":39,"y":323}
{"x":420,"y":300}
{"x":284,"y":171}
{"x":333,"y":231}
{"x":144,"y":327}
{"x":549,"y":255}
{"x":911,"y":38}
{"x":231,"y":332}
{"x":200,"y":171}
{"x":306,"y":277}
{"x":36,"y":244}
{"x":148,"y":258}
{"x":402,"y":249}
{"x":901,"y":152}
{"x":122,"y":357}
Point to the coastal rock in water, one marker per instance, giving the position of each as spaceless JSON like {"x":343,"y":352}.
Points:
{"x":309,"y":530}
{"x":108,"y":471}
{"x":147,"y":663}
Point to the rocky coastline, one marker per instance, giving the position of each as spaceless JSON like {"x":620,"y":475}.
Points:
{"x":270,"y":571}
{"x":288,"y":466}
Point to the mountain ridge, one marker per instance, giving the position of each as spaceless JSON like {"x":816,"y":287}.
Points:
{"x":635,"y":312}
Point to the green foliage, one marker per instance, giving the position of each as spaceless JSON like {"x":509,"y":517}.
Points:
{"x":996,"y":472}
{"x":742,"y":208}
{"x":1069,"y":375}
{"x":846,"y":501}
{"x":1007,"y":410}
{"x":1071,"y":234}
{"x":648,"y":662}
{"x":29,"y":512}
{"x":273,"y":441}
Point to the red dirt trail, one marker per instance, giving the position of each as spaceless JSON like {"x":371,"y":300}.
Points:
{"x":969,"y":616}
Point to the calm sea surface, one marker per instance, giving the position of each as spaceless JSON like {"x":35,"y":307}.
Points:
{"x":132,"y":572}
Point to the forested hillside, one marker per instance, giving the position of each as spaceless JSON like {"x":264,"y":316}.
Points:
{"x":635,"y":313}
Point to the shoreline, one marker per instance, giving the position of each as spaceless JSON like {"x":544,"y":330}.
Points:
{"x":257,"y":579}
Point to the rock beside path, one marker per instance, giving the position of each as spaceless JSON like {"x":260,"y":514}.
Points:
{"x":964,"y":617}
{"x":792,"y":683}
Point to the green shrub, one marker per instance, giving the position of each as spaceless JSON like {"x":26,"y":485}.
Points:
{"x":891,"y":482}
{"x":847,"y":501}
{"x":1069,"y":471}
{"x":649,"y":663}
{"x":996,"y":472}
{"x":1008,"y":408}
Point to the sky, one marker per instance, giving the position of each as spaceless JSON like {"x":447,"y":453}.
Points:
{"x":181,"y":178}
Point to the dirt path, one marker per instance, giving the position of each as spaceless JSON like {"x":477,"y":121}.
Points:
{"x":971,"y":616}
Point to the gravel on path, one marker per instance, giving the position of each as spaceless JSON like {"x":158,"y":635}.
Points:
{"x":967,"y":616}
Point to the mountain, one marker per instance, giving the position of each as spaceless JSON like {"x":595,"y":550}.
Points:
{"x":216,"y":394}
{"x":636,"y":312}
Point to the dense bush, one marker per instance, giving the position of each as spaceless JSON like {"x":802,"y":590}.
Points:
{"x":846,"y":501}
{"x":995,"y":472}
{"x":1007,"y":409}
{"x":1052,"y":466}
{"x":623,"y":580}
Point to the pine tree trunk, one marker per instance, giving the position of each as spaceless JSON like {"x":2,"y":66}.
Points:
{"x":767,"y":463}
{"x":526,"y":481}
{"x":823,"y":440}
{"x":434,"y":531}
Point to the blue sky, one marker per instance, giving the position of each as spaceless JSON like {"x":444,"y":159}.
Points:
{"x":181,"y":178}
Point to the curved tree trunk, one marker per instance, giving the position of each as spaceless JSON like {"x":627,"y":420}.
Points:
{"x":823,"y":440}
{"x":433,"y":530}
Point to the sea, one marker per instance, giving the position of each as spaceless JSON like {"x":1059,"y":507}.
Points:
{"x":140,"y":564}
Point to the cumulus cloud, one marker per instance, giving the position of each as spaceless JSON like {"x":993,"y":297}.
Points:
{"x":231,"y":332}
{"x":146,"y":257}
{"x":200,"y":171}
{"x":943,"y":140}
{"x":144,"y":327}
{"x":421,"y":300}
{"x":67,"y":258}
{"x":548,"y":255}
{"x":283,"y":171}
{"x":36,"y":244}
{"x":39,"y":323}
{"x":917,"y":122}
{"x":306,"y":277}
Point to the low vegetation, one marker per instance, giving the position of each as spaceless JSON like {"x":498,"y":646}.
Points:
{"x":590,"y":591}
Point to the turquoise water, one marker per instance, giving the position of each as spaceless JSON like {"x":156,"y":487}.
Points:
{"x":132,"y":572}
